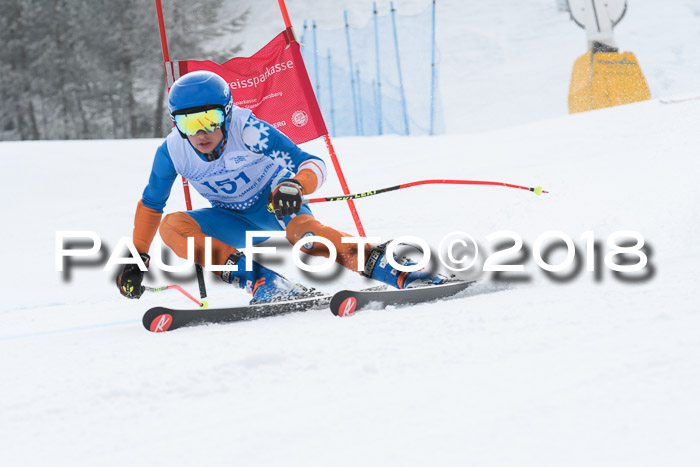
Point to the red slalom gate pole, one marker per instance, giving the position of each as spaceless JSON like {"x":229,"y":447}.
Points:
{"x":344,"y":186}
{"x":166,"y":59}
{"x":327,"y":139}
{"x":185,"y":183}
{"x":285,"y":14}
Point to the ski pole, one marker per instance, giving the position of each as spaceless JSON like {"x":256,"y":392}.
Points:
{"x":536,"y":190}
{"x":202,"y":304}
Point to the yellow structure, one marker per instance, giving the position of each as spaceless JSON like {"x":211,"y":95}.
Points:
{"x":605,"y":79}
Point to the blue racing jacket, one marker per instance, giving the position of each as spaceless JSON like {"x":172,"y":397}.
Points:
{"x":256,"y":156}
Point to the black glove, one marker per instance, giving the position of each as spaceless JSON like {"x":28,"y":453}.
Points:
{"x":285,"y":199}
{"x":129,"y":280}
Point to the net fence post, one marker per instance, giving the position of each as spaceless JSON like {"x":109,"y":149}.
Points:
{"x":398,"y":64}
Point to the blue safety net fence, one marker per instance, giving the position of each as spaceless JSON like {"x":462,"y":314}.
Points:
{"x":378,"y":78}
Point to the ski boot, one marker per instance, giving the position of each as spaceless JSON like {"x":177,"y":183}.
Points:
{"x":264,"y":284}
{"x":377,"y":267}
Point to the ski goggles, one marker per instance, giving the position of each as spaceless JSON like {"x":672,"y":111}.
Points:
{"x":207,"y":120}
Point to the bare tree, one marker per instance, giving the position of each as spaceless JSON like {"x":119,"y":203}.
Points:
{"x":76,"y":69}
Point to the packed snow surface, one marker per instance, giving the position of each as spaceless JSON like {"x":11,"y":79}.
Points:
{"x":580,"y":369}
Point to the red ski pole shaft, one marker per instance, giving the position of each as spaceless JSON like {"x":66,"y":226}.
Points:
{"x":537,"y":190}
{"x":202,"y":304}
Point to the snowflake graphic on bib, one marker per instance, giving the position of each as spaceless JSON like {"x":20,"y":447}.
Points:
{"x":255,"y":136}
{"x":283,"y":158}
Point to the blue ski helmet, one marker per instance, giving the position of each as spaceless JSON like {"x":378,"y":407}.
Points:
{"x":200,"y":90}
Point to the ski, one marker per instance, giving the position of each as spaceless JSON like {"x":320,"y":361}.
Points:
{"x":347,"y":302}
{"x":161,"y":319}
{"x":343,"y":303}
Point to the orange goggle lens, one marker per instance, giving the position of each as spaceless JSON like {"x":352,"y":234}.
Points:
{"x":208,"y":120}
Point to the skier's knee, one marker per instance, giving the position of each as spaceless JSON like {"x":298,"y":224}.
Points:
{"x":304,"y":226}
{"x":175,"y":228}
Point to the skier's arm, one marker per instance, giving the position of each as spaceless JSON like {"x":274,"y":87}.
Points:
{"x":310,"y":170}
{"x":150,"y":208}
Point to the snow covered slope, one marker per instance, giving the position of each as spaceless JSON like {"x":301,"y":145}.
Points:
{"x":582,"y":372}
{"x":591,"y":370}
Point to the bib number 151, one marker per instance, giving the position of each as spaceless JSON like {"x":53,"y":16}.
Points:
{"x":227,"y":185}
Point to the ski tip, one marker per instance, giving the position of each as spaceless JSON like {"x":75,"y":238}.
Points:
{"x":347,"y":307}
{"x":160,"y":323}
{"x":343,"y":303}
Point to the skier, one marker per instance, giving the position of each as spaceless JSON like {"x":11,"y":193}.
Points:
{"x":240,"y":164}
